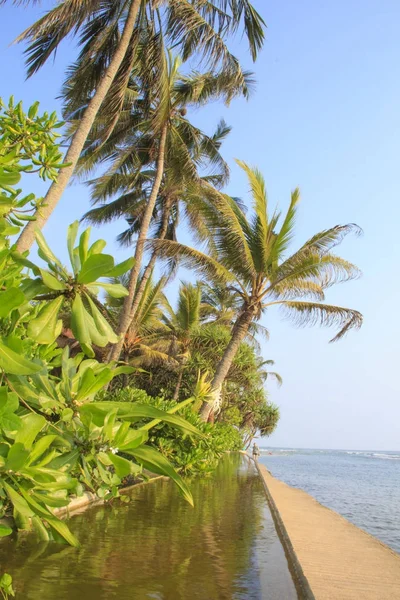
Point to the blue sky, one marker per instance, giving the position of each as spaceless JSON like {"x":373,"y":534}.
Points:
{"x":325,"y":117}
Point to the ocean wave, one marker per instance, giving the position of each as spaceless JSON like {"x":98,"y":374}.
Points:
{"x":376,"y":455}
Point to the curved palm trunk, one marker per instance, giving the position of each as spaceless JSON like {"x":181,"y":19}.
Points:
{"x":239,"y":332}
{"x":126,"y":314}
{"x":152,"y":261}
{"x":178,"y":384}
{"x":27,"y":237}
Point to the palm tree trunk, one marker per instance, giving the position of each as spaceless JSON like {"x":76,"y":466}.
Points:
{"x":56,"y":190}
{"x":147,"y":272}
{"x":126,"y":313}
{"x":151,"y":263}
{"x":178,"y":385}
{"x":239,"y":332}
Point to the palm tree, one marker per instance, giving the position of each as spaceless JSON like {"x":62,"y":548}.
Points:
{"x":251,"y":254}
{"x":181,"y":326}
{"x":179,"y":189}
{"x":165,"y":126}
{"x":265,"y":374}
{"x":109,"y":36}
{"x":141,"y":347}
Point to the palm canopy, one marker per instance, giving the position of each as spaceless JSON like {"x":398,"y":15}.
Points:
{"x":124,"y":189}
{"x":150,"y":102}
{"x":250,"y":253}
{"x":181,"y":324}
{"x":193,"y":28}
{"x":141,"y":347}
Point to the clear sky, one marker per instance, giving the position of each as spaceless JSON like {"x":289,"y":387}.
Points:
{"x":325,"y":117}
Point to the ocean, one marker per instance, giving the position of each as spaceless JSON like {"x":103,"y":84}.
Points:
{"x":362,"y":486}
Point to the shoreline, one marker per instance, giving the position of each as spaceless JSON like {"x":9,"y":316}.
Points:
{"x":331,"y":559}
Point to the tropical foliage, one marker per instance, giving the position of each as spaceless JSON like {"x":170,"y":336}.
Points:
{"x":104,"y":376}
{"x":55,"y":439}
{"x":187,"y":454}
{"x":250,"y":254}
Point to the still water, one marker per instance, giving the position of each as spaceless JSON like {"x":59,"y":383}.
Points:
{"x":158,"y":547}
{"x":363,"y":486}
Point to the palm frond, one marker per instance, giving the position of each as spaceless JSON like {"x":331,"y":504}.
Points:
{"x":191,"y":258}
{"x":48,"y":32}
{"x":285,"y":235}
{"x":311,"y":313}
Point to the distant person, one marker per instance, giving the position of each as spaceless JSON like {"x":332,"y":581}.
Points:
{"x":256,"y":451}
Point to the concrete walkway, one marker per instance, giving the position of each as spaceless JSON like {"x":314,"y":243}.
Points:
{"x":333,"y":559}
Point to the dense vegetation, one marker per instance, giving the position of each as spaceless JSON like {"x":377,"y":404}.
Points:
{"x":103,"y":375}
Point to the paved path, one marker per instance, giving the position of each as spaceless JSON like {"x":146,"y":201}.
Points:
{"x":339,"y":560}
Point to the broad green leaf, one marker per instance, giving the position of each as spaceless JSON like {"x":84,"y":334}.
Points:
{"x":121,"y":434}
{"x":7,"y":178}
{"x":46,"y":327}
{"x":97,"y":265}
{"x":90,"y":383}
{"x":50,"y":500}
{"x":33,"y":287}
{"x":116,"y":290}
{"x":13,"y":363}
{"x":65,"y":461}
{"x":22,"y":260}
{"x":32,"y":424}
{"x":79,"y":325}
{"x":97,"y":247}
{"x":135,"y":411}
{"x":10,"y":422}
{"x":44,"y":250}
{"x":19,"y":503}
{"x":17,"y":457}
{"x":10,"y":299}
{"x":102,"y":326}
{"x":133,"y":439}
{"x":96,"y":337}
{"x":84,"y":245}
{"x":8,"y":400}
{"x":157,"y":463}
{"x":170,"y":411}
{"x":123,"y":467}
{"x":71,"y":237}
{"x":109,"y":422}
{"x":41,"y":446}
{"x":122,"y":267}
{"x":40,"y":529}
{"x":56,"y":524}
{"x":52,"y":282}
{"x":4,"y":531}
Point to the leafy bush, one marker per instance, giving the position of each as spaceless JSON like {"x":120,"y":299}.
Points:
{"x":55,"y":439}
{"x":188,"y":455}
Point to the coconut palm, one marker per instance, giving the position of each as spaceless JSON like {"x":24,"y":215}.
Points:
{"x":222,"y":303}
{"x":181,"y":326}
{"x":109,"y":36}
{"x":141,"y":347}
{"x":179,"y":188}
{"x":164,"y":122}
{"x":251,"y":254}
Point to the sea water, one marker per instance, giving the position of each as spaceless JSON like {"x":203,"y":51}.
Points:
{"x":362,"y":486}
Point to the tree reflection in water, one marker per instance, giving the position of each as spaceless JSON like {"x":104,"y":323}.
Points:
{"x":158,"y":547}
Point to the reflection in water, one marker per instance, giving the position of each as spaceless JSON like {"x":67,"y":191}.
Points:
{"x":158,"y":547}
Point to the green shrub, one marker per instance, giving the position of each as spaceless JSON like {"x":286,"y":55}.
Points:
{"x":187,"y":454}
{"x":55,"y":439}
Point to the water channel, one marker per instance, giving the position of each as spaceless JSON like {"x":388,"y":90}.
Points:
{"x":157,"y":547}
